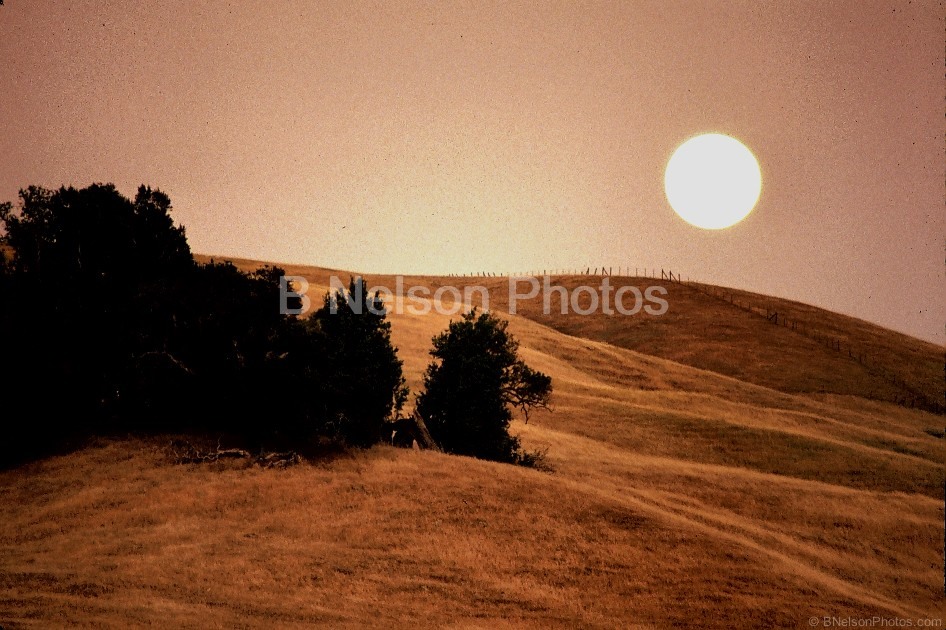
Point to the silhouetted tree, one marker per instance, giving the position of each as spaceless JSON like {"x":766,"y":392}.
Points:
{"x":207,"y":347}
{"x":364,"y":385}
{"x":77,"y":262}
{"x":108,"y":324}
{"x":469,"y":390}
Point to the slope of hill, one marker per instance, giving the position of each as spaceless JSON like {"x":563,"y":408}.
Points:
{"x":729,"y":331}
{"x":680,"y":495}
{"x":735,"y":333}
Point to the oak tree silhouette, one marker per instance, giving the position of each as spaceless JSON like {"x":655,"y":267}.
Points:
{"x":472,"y":385}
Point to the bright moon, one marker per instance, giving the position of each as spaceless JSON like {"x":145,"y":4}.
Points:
{"x":712,"y":181}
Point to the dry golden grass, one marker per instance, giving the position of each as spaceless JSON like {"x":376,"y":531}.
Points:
{"x":680,"y":497}
{"x":705,"y":330}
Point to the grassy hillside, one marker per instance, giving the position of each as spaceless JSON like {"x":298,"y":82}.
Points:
{"x":732,"y":332}
{"x":681,"y":495}
{"x":708,"y":327}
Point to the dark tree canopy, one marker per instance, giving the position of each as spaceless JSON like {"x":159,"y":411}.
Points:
{"x":473,"y":384}
{"x":82,"y":271}
{"x":367,"y":387}
{"x":108,"y":324}
{"x":94,"y":237}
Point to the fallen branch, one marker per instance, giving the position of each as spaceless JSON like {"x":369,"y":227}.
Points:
{"x":279,"y":460}
{"x":184,"y":452}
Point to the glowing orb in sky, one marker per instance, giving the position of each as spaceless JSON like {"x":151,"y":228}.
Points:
{"x":712,"y":181}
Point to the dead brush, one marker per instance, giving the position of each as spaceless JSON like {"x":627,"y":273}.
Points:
{"x":182,"y":451}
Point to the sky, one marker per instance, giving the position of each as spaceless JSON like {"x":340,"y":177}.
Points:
{"x":451,"y":137}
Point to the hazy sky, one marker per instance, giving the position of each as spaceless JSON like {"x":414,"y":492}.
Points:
{"x":458,"y":136}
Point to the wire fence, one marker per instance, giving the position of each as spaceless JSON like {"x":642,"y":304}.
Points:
{"x":909,"y":395}
{"x":600,"y":271}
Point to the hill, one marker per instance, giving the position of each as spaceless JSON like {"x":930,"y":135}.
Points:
{"x":778,"y":343}
{"x":685,"y":492}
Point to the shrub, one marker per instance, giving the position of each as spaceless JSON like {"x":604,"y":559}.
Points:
{"x":363,"y":385}
{"x":473,"y":383}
